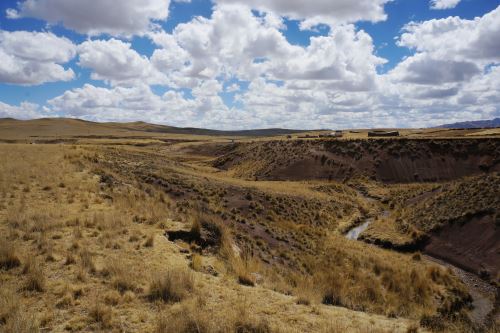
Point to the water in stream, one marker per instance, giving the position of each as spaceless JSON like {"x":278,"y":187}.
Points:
{"x":483,"y":294}
{"x":356,"y":231}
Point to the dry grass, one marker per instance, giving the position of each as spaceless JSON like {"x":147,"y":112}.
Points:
{"x":275,"y":236}
{"x":101,"y":314}
{"x":194,"y":316}
{"x":122,"y":276}
{"x":8,"y":255}
{"x":171,"y":285}
{"x":35,"y":276}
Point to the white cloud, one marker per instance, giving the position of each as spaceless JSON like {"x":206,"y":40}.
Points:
{"x":320,"y":11}
{"x":444,"y":4}
{"x":452,"y":55}
{"x":345,"y":58}
{"x":124,"y":18}
{"x":139,"y":103}
{"x":116,"y":62}
{"x":236,"y":43}
{"x":233,"y":88}
{"x":229,"y":42}
{"x":425,"y":69}
{"x":32,"y":58}
{"x":456,"y":38}
{"x":330,"y":83}
{"x":25,"y":110}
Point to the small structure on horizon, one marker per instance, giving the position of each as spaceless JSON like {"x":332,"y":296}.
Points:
{"x":383,"y":133}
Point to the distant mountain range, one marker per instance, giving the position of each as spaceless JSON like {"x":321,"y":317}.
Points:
{"x":474,"y":124}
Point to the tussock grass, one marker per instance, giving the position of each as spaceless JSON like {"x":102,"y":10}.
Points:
{"x":101,"y":314}
{"x":35,"y":276}
{"x":123,"y":277}
{"x":194,"y":316}
{"x":87,"y":261}
{"x":8,"y":255}
{"x":171,"y":285}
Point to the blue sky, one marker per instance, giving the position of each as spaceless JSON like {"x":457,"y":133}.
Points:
{"x":226,"y":94}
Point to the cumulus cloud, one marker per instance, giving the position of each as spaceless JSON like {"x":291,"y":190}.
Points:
{"x":457,"y":38}
{"x":237,"y":43}
{"x":320,"y":11}
{"x":244,"y":55}
{"x":229,"y":43}
{"x":112,"y":17}
{"x":424,"y":69}
{"x":451,"y":53}
{"x":33,"y":58}
{"x":345,"y":57}
{"x":139,"y":103}
{"x":116,"y":62}
{"x":25,"y":110}
{"x":444,"y":4}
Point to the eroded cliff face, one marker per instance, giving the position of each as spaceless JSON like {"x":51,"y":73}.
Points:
{"x":385,"y":160}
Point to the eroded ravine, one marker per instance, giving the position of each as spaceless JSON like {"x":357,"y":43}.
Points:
{"x":483,"y":294}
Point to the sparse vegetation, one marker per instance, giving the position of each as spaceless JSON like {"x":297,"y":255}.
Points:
{"x":77,"y":247}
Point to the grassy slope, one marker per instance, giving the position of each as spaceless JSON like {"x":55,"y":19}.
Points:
{"x":84,"y":264}
{"x":300,"y":244}
{"x":290,"y":229}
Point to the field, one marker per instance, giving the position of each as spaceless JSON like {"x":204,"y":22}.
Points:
{"x":144,"y":228}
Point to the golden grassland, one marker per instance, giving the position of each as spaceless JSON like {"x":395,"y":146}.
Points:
{"x":75,"y":257}
{"x":83,"y":248}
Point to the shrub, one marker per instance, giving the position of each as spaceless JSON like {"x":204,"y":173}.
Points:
{"x":171,"y":286}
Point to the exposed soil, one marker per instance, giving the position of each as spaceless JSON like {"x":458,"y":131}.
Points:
{"x":473,"y":246}
{"x":386,"y":160}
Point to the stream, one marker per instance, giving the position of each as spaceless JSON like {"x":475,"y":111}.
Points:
{"x":356,"y":231}
{"x":483,"y":293}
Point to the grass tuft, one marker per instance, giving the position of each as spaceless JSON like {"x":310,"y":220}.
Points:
{"x":171,"y":286}
{"x":8,"y":256}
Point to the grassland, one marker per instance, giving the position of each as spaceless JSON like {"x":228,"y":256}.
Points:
{"x":146,"y":234}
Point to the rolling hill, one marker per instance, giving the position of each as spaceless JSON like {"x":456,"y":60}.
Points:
{"x":15,"y":129}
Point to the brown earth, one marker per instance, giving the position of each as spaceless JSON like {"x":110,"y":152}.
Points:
{"x":385,"y":160}
{"x":473,"y":246}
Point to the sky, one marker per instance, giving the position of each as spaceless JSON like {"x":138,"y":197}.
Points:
{"x":242,"y":64}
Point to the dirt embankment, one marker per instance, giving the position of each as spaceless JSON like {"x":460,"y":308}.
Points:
{"x":473,"y":245}
{"x":385,"y":160}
